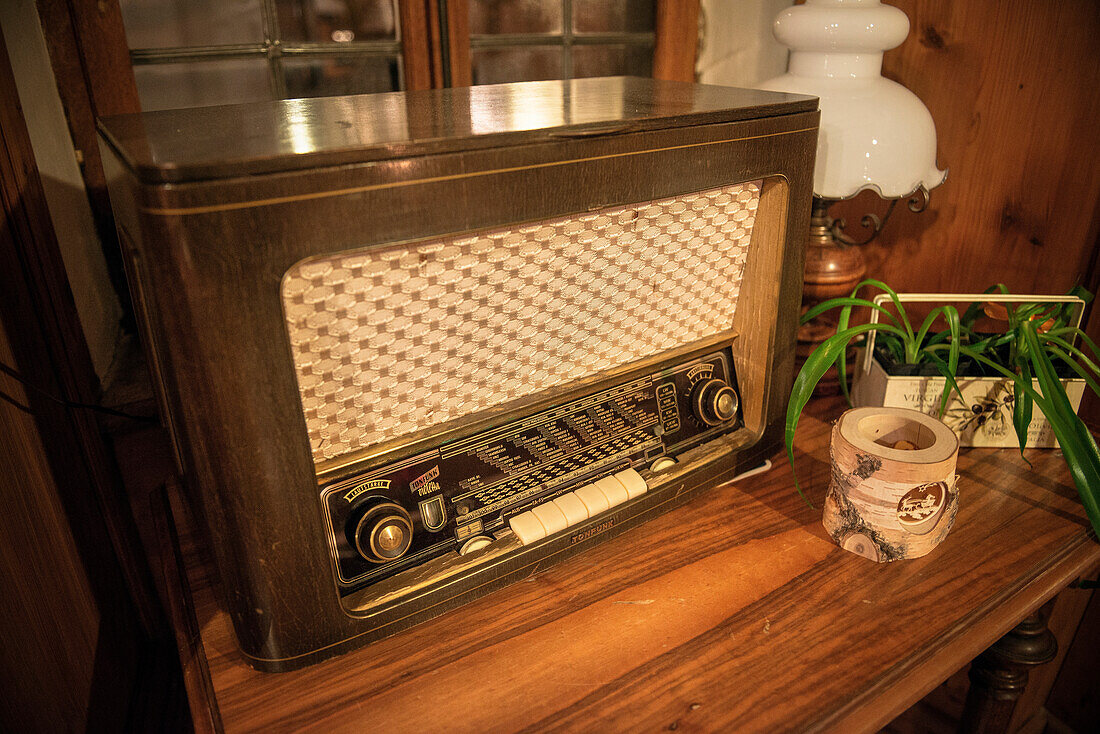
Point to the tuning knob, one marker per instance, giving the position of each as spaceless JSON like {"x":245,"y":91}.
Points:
{"x":383,"y":532}
{"x":714,"y":402}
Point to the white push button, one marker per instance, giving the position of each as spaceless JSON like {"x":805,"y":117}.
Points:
{"x":593,"y":499}
{"x":552,"y":518}
{"x":633,"y":482}
{"x":527,"y":527}
{"x":614,"y":490}
{"x":572,"y":507}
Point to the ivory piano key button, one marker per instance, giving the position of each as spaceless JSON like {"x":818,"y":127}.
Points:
{"x":633,"y":482}
{"x":527,"y":527}
{"x":572,"y":507}
{"x":551,"y":517}
{"x":614,"y":490}
{"x":593,"y":499}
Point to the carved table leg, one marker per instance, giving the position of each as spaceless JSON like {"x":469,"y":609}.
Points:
{"x":999,"y":675}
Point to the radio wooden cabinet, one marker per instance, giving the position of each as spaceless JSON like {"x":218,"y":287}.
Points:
{"x":410,"y":345}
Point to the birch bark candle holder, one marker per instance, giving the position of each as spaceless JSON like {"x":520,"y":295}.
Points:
{"x":893,"y":492}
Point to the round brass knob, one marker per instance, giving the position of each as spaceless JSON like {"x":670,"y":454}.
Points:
{"x":714,"y":402}
{"x":383,"y":533}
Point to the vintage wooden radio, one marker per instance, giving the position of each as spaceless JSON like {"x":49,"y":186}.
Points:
{"x":411,"y":345}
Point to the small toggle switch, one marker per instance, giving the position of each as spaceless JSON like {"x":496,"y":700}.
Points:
{"x":432,"y":513}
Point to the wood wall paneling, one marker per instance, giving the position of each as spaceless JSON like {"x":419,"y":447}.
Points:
{"x":70,"y":627}
{"x":1012,"y":91}
{"x":50,"y":618}
{"x":51,"y":343}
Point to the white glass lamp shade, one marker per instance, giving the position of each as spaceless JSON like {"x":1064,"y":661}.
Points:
{"x":875,"y":133}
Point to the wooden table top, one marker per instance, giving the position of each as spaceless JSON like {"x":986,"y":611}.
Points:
{"x":734,"y":612}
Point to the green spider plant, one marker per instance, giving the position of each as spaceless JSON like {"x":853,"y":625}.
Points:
{"x":1036,"y":337}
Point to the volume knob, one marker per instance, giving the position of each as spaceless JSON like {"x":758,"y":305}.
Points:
{"x":383,"y":533}
{"x":714,"y":402}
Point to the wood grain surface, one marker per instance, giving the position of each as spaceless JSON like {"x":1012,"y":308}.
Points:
{"x":1012,"y":93}
{"x":287,"y":135}
{"x":68,"y":574}
{"x":734,"y":612}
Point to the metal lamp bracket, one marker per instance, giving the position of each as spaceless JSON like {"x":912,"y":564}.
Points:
{"x":917,"y":202}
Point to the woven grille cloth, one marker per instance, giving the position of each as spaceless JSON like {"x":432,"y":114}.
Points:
{"x":390,"y":340}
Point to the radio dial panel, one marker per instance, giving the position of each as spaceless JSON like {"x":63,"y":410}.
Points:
{"x":471,"y":489}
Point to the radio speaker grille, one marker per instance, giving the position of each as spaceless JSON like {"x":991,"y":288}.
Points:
{"x":391,"y":340}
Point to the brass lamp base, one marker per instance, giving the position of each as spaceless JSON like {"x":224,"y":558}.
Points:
{"x":833,"y":269}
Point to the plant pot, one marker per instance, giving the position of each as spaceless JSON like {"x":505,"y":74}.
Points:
{"x":982,"y":419}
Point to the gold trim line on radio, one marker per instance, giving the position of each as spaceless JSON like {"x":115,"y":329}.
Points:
{"x":211,"y":208}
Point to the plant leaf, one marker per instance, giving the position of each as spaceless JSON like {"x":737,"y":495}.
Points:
{"x":951,"y":316}
{"x":1072,"y":363}
{"x":1078,"y":445}
{"x":893,"y":345}
{"x":1022,"y":405}
{"x":847,"y":302}
{"x":950,"y":384}
{"x":812,"y":370}
{"x":1047,"y":339}
{"x":978,"y":357}
{"x":893,"y":297}
{"x":975,"y":309}
{"x":922,"y":333}
{"x":1078,"y":334}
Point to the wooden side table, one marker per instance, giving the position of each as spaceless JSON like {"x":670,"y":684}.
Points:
{"x":734,"y":612}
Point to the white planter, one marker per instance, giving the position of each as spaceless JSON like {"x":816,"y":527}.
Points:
{"x":984,"y":418}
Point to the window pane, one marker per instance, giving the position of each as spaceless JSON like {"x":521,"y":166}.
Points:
{"x":170,"y":23}
{"x":337,"y":21}
{"x":612,"y":61}
{"x":329,"y":76}
{"x":607,"y":16}
{"x":195,"y":84}
{"x":515,"y":16}
{"x":493,"y":66}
